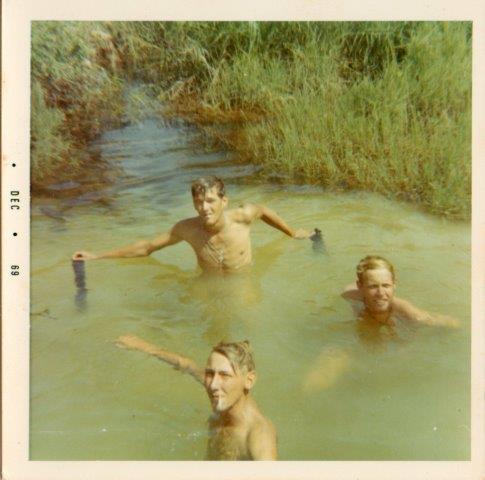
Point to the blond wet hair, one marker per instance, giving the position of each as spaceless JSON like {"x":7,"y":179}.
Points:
{"x":373,"y":262}
{"x":239,"y":354}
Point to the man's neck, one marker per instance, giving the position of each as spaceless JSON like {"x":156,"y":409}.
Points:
{"x":218,"y":226}
{"x":380,"y":317}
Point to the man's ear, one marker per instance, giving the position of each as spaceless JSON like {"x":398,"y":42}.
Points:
{"x":225,"y":200}
{"x":359,"y":284}
{"x":250,"y":380}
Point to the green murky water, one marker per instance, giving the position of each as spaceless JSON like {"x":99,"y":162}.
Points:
{"x":400,"y":398}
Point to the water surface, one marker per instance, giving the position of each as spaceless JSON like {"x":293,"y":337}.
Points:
{"x":400,"y":398}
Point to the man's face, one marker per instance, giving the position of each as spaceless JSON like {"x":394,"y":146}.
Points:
{"x":209,"y":206}
{"x":377,"y":289}
{"x":224,"y":386}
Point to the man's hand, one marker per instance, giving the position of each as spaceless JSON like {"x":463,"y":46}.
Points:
{"x":302,"y":234}
{"x":82,"y":255}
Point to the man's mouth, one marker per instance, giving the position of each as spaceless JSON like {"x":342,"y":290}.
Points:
{"x":381,"y":303}
{"x":216,"y":401}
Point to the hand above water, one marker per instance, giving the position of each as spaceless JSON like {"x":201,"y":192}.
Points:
{"x":302,"y":234}
{"x":82,"y":255}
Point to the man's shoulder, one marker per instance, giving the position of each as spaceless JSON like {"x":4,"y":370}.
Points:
{"x":186,"y":227}
{"x":187,"y":223}
{"x":262,"y":425}
{"x":262,"y":439}
{"x":244,"y":212}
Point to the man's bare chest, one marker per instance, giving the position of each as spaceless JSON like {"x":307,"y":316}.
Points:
{"x":228,"y":443}
{"x":229,"y":247}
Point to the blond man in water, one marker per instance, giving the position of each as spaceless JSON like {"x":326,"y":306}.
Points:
{"x":219,"y":237}
{"x":237,"y":428}
{"x":375,"y":287}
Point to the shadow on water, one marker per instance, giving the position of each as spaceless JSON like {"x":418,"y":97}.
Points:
{"x":224,"y":304}
{"x":80,"y":281}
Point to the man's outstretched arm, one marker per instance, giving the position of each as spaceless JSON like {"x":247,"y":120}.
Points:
{"x":250,"y":212}
{"x":141,"y":248}
{"x":184,"y":364}
{"x":407,"y":311}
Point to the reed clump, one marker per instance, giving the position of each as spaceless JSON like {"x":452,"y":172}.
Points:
{"x":380,"y":106}
{"x":75,"y":94}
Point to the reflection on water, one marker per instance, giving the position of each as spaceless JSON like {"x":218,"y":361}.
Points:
{"x":91,"y":400}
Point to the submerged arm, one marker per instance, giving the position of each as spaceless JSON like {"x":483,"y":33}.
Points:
{"x":270,"y":217}
{"x":184,"y":364}
{"x":141,"y":248}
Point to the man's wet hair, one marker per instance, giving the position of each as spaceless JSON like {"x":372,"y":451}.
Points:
{"x":373,"y":262}
{"x":202,"y":184}
{"x":239,"y":354}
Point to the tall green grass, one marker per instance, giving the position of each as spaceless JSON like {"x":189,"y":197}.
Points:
{"x":75,"y":95}
{"x":381,"y":106}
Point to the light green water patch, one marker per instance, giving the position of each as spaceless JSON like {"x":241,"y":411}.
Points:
{"x":404,"y":397}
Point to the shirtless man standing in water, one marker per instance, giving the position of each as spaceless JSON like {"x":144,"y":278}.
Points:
{"x":237,"y":428}
{"x":220,"y":238}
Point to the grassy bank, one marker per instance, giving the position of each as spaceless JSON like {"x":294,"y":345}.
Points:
{"x":76,"y":93}
{"x":380,"y":106}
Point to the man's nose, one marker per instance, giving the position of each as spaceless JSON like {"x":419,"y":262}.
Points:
{"x":215,"y":382}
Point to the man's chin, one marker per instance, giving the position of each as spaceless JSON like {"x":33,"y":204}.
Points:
{"x":217,"y":405}
{"x":381,"y":309}
{"x":218,"y":408}
{"x":208,"y":222}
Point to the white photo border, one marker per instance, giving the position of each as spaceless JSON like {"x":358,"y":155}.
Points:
{"x":16,"y":20}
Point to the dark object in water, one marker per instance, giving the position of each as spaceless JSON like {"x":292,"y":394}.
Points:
{"x":318,"y":244}
{"x":80,"y":281}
